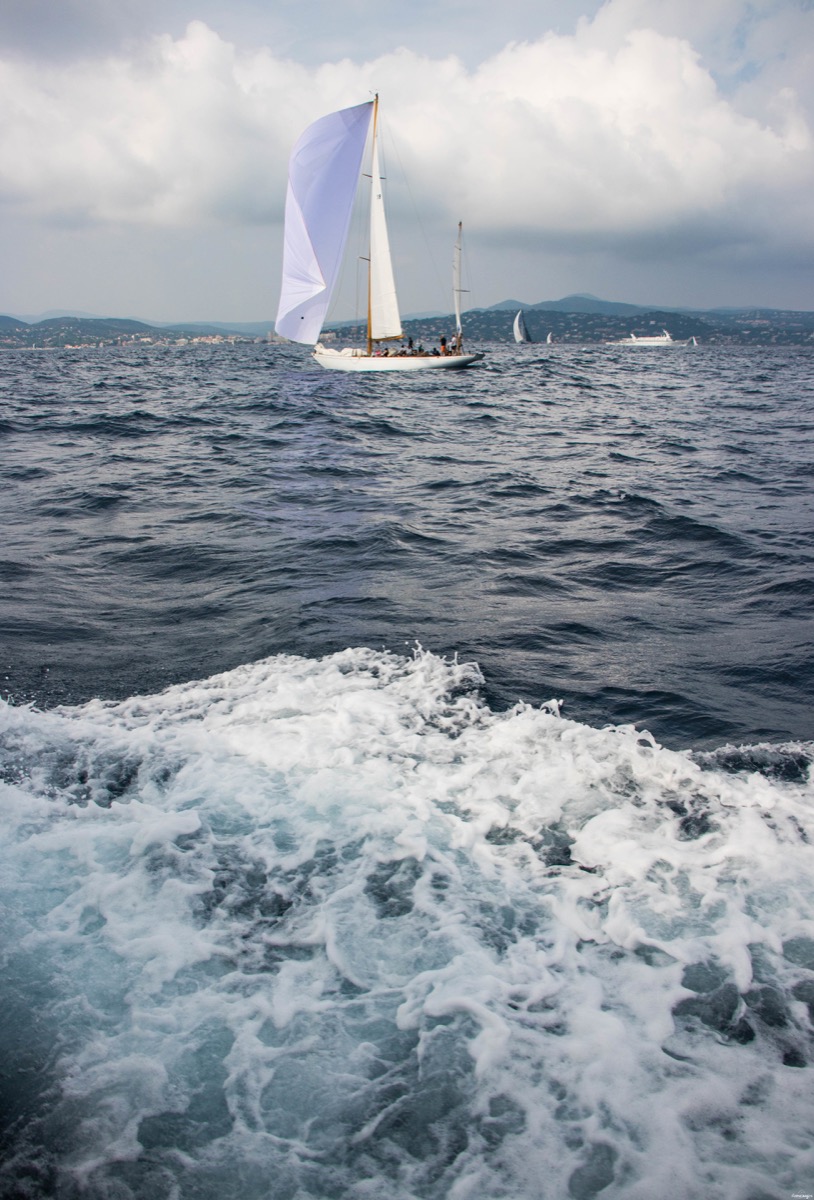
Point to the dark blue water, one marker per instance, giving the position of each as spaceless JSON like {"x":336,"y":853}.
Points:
{"x":630,"y":533}
{"x":405,"y":783}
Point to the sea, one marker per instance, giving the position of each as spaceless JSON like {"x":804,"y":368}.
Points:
{"x":406,"y":780}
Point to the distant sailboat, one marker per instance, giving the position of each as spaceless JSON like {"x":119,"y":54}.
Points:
{"x":324,"y":171}
{"x":521,"y":334}
{"x":549,"y":339}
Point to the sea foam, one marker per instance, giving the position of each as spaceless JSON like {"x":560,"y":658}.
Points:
{"x":334,"y":928}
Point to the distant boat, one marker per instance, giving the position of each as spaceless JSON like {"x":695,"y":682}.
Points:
{"x":653,"y":339}
{"x":549,"y":339}
{"x":323,"y":176}
{"x":521,"y":334}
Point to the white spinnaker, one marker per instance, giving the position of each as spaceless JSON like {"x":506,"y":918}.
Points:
{"x":323,"y":175}
{"x":521,"y":334}
{"x":385,"y":320}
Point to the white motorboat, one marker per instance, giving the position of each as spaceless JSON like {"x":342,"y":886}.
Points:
{"x":651,"y":339}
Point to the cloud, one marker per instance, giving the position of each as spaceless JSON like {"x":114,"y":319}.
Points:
{"x":608,"y":131}
{"x":624,"y":135}
{"x":629,"y":140}
{"x":180,"y":134}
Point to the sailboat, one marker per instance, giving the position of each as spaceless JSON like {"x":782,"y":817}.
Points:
{"x":521,"y":334}
{"x":323,"y":175}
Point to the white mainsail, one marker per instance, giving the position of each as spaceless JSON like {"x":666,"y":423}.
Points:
{"x":384,"y":317}
{"x":323,"y":175}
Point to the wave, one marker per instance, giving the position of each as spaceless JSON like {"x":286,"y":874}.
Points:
{"x":336,"y":927}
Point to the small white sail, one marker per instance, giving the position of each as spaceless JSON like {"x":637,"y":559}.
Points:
{"x":385,"y":320}
{"x":521,"y":334}
{"x":323,"y":175}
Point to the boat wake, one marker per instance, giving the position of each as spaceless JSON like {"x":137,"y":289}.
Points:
{"x":337,"y":925}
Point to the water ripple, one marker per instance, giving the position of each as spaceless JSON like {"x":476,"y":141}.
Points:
{"x":632,"y":535}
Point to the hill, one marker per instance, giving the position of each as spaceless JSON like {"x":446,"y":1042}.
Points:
{"x":11,"y":323}
{"x":574,"y":304}
{"x":66,"y":332}
{"x":581,"y":327}
{"x":574,"y":320}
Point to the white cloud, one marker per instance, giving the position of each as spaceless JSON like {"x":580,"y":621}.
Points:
{"x":181,"y":134}
{"x":635,"y":138}
{"x":644,"y":128}
{"x":562,"y":135}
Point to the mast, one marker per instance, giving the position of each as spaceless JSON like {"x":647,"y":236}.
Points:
{"x":383,"y":317}
{"x":456,"y":288}
{"x":370,"y":229}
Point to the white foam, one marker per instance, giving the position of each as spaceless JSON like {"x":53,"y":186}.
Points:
{"x":337,"y":920}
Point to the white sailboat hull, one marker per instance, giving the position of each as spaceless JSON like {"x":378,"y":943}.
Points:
{"x":341,"y":360}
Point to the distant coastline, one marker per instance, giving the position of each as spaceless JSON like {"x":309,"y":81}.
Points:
{"x":574,"y":320}
{"x":66,"y":333}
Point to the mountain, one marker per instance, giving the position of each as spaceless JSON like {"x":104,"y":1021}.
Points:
{"x":29,"y":319}
{"x":591,"y":304}
{"x":94,"y":325}
{"x":508,"y":306}
{"x":579,"y":303}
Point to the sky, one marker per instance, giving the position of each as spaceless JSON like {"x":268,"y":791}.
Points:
{"x":657,"y":152}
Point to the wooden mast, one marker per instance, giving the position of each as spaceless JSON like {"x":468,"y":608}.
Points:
{"x":370,"y":247}
{"x":459,"y":333}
